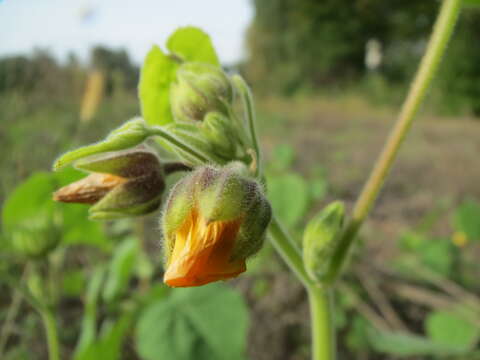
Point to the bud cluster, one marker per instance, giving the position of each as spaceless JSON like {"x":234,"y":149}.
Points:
{"x":201,"y":100}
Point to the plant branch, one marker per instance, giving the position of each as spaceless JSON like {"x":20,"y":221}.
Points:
{"x":50,"y":325}
{"x":442,"y":31}
{"x":289,"y":252}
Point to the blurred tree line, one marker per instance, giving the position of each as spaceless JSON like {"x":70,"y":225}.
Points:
{"x":298,"y":45}
{"x":40,"y":74}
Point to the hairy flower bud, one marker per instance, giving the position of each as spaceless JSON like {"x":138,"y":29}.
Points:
{"x":217,"y":129}
{"x":213,"y":221}
{"x":200,"y":88}
{"x":130,"y":134}
{"x":121,"y":184}
{"x":320,"y":240}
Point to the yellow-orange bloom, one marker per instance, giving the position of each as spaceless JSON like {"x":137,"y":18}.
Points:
{"x":213,"y":221}
{"x":202,"y":252}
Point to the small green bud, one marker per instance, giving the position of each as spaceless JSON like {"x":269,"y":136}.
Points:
{"x":191,"y":134}
{"x":217,"y":129}
{"x":320,"y":240}
{"x":200,"y":88}
{"x":215,"y":218}
{"x":121,"y":184}
{"x":130,"y":134}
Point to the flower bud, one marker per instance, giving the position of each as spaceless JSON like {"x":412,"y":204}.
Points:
{"x":320,"y":240}
{"x":213,"y":221}
{"x":130,"y":134}
{"x":217,"y":129}
{"x":121,"y":184}
{"x":200,"y":88}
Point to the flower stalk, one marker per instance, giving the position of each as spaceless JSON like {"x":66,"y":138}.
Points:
{"x":442,"y":32}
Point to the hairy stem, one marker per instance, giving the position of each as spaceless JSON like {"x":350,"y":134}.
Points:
{"x":288,"y":250}
{"x":442,"y":31}
{"x":323,"y":332}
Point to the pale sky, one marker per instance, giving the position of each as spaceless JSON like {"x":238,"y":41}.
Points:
{"x":64,"y":25}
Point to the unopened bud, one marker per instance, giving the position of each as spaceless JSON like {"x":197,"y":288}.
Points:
{"x":217,"y":129}
{"x":200,"y":88}
{"x":213,"y":221}
{"x":130,"y":134}
{"x":121,"y":184}
{"x":321,"y":239}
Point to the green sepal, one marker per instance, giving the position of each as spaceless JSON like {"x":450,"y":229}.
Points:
{"x":138,"y":196}
{"x":200,"y":88}
{"x":124,"y":163}
{"x":225,"y":199}
{"x":178,"y":206}
{"x":217,"y":128}
{"x":321,"y":239}
{"x":251,"y":235}
{"x":128,"y":135}
{"x":191,"y":135}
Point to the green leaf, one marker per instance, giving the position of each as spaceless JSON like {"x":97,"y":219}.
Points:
{"x":31,"y":199}
{"x":437,"y":254}
{"x":283,"y":157}
{"x":406,"y":345}
{"x":192,"y":44}
{"x":289,"y":197}
{"x":467,"y":219}
{"x":452,"y":330}
{"x":78,"y":229}
{"x":157,"y":75}
{"x":120,"y":269}
{"x":471,"y":2}
{"x":109,"y":344}
{"x":209,"y":322}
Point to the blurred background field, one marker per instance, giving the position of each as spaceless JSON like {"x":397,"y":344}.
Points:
{"x":328,"y":78}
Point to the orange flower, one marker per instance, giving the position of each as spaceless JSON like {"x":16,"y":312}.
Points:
{"x":202,"y":252}
{"x":214,"y":220}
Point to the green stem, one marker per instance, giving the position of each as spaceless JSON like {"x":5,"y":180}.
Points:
{"x":442,"y":32}
{"x":251,"y":119}
{"x":156,"y":130}
{"x":9,"y":319}
{"x":289,"y":252}
{"x":323,"y":332}
{"x":51,"y":330}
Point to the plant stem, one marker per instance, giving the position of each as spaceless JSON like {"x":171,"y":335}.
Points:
{"x":321,"y":314}
{"x":51,"y":330}
{"x":289,"y":252}
{"x":9,"y":319}
{"x":157,"y":130}
{"x":251,"y":119}
{"x":442,"y":31}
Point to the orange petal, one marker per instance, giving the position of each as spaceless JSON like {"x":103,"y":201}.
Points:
{"x":88,"y":190}
{"x":202,"y":253}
